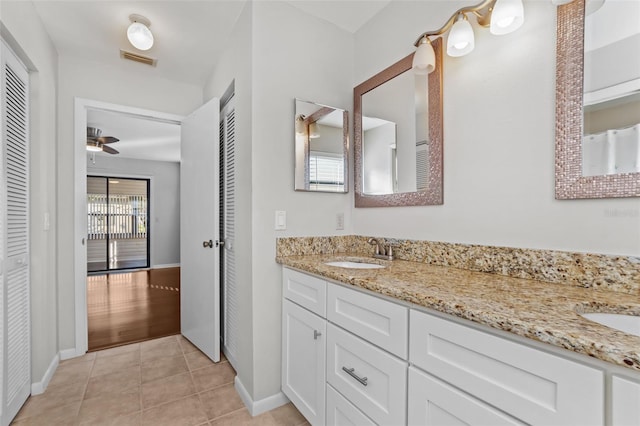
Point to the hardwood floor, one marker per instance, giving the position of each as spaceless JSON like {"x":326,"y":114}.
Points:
{"x":132,"y":306}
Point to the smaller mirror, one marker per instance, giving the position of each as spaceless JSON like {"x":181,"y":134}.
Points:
{"x":321,"y":147}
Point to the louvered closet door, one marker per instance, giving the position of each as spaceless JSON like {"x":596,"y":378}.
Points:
{"x":14,"y":244}
{"x":227,"y":217}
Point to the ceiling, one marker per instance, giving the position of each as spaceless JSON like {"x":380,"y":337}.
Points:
{"x":140,"y":138}
{"x":189,"y":37}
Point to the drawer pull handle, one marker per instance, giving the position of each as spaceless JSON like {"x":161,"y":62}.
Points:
{"x":351,"y":372}
{"x":316,"y":334}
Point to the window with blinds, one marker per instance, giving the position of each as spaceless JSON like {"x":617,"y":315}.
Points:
{"x":326,"y":171}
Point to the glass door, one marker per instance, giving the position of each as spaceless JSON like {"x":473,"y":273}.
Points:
{"x":118,"y":223}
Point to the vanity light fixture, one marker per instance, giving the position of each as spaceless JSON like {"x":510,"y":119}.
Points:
{"x":461,"y":39}
{"x":313,"y":130}
{"x":138,"y":33}
{"x":501,"y":16}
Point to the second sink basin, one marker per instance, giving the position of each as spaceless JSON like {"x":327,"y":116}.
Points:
{"x":354,"y":265}
{"x":626,"y":323}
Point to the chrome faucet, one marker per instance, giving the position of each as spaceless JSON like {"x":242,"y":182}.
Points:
{"x":381,"y":251}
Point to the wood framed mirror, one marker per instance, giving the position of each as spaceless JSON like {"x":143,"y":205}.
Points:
{"x":598,"y":99}
{"x":321,"y":148}
{"x":398,"y":132}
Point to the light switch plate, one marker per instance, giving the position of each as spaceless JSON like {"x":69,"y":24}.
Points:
{"x":281,"y":220}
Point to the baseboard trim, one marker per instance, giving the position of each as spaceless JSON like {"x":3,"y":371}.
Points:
{"x":258,"y":407}
{"x":69,"y":353}
{"x":168,"y":265}
{"x":39,"y":387}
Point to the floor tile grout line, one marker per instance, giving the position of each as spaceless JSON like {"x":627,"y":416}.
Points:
{"x":228,"y":414}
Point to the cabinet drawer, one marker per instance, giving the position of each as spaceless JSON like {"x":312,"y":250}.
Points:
{"x":307,"y":291}
{"x":531,"y":385}
{"x":380,"y":322}
{"x":368,"y":377}
{"x":434,"y":402}
{"x":625,"y":402}
{"x":341,"y":412}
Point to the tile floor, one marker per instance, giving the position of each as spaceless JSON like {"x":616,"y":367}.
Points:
{"x":165,"y":381}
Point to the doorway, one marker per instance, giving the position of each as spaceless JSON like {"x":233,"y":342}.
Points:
{"x":117,"y":223}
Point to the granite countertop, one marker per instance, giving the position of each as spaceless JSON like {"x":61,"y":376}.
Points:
{"x":538,"y":310}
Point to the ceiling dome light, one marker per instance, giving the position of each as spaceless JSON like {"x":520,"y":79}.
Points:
{"x":461,"y":39}
{"x":507,"y":16}
{"x":424,"y":59}
{"x":139,"y":34}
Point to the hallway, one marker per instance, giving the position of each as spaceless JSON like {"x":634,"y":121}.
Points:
{"x":132,"y":307}
{"x":165,"y":381}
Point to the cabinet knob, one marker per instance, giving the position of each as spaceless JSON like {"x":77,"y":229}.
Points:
{"x":316,"y":334}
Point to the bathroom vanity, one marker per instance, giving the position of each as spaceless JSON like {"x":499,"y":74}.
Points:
{"x":418,"y":344}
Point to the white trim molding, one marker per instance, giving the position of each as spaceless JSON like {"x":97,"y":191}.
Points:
{"x":39,"y":387}
{"x":168,"y":265}
{"x":261,"y":406}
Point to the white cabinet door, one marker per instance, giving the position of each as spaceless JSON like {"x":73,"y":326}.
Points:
{"x":433,"y":402}
{"x":303,"y":361}
{"x":625,"y":402}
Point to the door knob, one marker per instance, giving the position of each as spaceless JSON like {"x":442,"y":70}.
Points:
{"x":206,"y":244}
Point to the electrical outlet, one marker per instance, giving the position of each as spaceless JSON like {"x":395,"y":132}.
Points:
{"x":340,"y":221}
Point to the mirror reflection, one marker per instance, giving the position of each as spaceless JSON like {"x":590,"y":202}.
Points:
{"x":611,"y":99}
{"x":321,"y":147}
{"x":395,"y":137}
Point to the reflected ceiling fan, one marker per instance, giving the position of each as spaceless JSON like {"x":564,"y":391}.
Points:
{"x":97,"y":143}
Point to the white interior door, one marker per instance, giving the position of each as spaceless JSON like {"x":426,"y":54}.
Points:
{"x":15,"y":335}
{"x":199,"y":223}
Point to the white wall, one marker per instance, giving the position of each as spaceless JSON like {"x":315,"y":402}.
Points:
{"x":236,"y":65}
{"x":90,"y":80}
{"x":271,"y":68}
{"x":164,"y":201}
{"x":23,"y":31}
{"x":294,"y":56}
{"x":499,"y":121}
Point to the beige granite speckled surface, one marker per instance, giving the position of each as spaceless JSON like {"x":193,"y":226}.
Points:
{"x":543,"y":311}
{"x":615,"y":273}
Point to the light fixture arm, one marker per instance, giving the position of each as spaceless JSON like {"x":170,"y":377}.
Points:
{"x":483,"y":19}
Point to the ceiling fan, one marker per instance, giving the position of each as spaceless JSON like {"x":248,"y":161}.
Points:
{"x":97,"y":143}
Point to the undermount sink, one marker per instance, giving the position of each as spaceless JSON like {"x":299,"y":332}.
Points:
{"x":626,"y":323}
{"x":354,"y":265}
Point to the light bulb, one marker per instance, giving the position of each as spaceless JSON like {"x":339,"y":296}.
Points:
{"x":424,"y":59}
{"x":140,"y":36}
{"x":91,"y":147}
{"x":507,"y":16}
{"x":461,"y":39}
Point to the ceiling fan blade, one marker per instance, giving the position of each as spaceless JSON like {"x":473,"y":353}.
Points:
{"x":109,"y":150}
{"x":107,"y":139}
